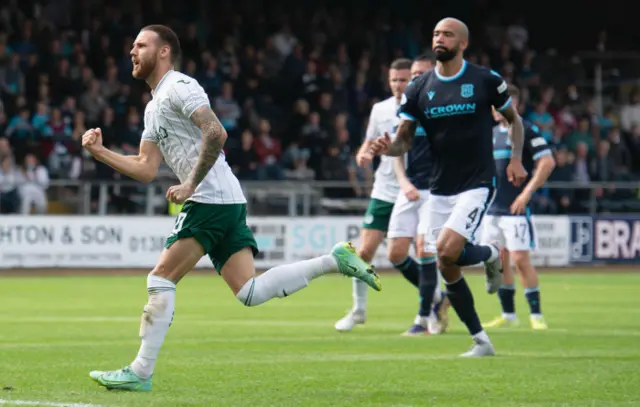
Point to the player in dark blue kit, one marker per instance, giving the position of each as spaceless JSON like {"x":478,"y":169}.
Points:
{"x":453,"y":104}
{"x":509,"y":221}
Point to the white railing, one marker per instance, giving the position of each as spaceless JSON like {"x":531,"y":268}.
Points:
{"x":286,"y":198}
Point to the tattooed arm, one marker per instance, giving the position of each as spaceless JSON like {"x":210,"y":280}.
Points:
{"x":213,"y":138}
{"x":404,"y":138}
{"x":516,"y":131}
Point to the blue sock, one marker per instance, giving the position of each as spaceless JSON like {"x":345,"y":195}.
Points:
{"x":410,"y":270}
{"x":427,"y":284}
{"x":533,"y":298}
{"x":507,"y":293}
{"x":473,"y":254}
{"x":462,"y":302}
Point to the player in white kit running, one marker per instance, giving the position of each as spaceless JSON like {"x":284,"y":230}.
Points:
{"x":180,"y":127}
{"x":383,"y":119}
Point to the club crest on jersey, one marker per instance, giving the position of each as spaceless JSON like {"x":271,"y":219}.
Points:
{"x":162,"y":133}
{"x":466,"y":90}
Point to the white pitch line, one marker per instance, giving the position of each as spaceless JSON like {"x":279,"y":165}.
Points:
{"x":285,"y":324}
{"x":44,"y":403}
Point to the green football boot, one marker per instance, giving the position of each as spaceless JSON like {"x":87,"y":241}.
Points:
{"x":123,"y":379}
{"x":351,"y":265}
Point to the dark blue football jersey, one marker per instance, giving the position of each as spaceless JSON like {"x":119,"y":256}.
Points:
{"x":419,"y":161}
{"x":535,"y":146}
{"x":455,"y":113}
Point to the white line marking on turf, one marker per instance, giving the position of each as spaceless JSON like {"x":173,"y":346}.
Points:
{"x":294,"y":324}
{"x":44,"y":403}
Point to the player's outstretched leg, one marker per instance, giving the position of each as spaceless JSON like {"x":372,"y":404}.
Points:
{"x":284,"y":280}
{"x":529,"y":278}
{"x":175,"y":262}
{"x":506,"y":294}
{"x":449,"y":248}
{"x":370,"y":240}
{"x":490,"y":256}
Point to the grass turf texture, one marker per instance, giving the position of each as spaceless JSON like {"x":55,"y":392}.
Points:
{"x":53,"y":330}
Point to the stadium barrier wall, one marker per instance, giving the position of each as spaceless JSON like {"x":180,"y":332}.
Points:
{"x":136,"y":241}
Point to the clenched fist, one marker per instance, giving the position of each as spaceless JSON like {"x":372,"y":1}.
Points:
{"x":92,"y":140}
{"x":380,"y":145}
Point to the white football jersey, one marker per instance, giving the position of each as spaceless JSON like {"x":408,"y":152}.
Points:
{"x":167,"y":123}
{"x":384,"y":118}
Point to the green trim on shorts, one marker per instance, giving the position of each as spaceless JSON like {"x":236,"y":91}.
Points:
{"x":378,"y":215}
{"x":221,"y":229}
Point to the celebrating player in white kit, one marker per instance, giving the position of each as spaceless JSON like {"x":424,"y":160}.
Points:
{"x":383,"y":119}
{"x":180,"y":127}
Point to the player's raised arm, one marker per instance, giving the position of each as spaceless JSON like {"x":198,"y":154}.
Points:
{"x":502,"y":102}
{"x":213,"y":138}
{"x":142,"y":167}
{"x":516,"y":131}
{"x":404,"y":138}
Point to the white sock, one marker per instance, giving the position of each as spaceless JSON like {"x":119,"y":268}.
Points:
{"x":437,"y":296}
{"x":536,"y":316}
{"x":482,"y":337}
{"x":495,"y":253}
{"x":156,"y":319}
{"x":282,"y":281}
{"x":509,"y":316}
{"x":360,"y":291}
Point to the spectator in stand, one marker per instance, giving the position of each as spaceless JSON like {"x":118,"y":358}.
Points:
{"x":10,"y":181}
{"x":583,"y":134}
{"x":33,"y":190}
{"x":268,"y":150}
{"x":564,"y":172}
{"x":243,"y":159}
{"x":543,"y":119}
{"x":630,"y":113}
{"x":619,"y":154}
{"x":228,"y":110}
{"x":313,"y":74}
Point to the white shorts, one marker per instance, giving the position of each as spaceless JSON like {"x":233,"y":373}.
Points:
{"x":405,"y":216}
{"x":461,"y":213}
{"x":515,"y":233}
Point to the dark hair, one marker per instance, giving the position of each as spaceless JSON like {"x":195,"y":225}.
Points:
{"x":426,"y":56}
{"x":167,"y":36}
{"x":513,"y":91}
{"x":401,"y":63}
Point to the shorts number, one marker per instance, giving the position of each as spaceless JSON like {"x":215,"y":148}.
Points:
{"x":472,"y":216}
{"x":521,"y":231}
{"x":179,"y":221}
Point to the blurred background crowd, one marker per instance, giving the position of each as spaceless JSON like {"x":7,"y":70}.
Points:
{"x":292,"y":85}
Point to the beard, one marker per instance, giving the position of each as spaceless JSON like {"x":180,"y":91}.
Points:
{"x":445,"y":54}
{"x":143,"y":69}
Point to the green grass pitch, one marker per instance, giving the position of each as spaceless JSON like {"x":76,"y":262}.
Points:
{"x":53,"y":330}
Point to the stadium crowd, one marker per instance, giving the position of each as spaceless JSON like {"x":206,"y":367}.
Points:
{"x":292,"y":88}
